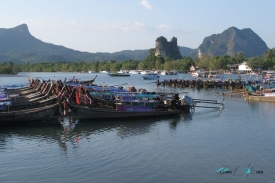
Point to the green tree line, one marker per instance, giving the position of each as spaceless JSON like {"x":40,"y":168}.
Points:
{"x":151,"y":62}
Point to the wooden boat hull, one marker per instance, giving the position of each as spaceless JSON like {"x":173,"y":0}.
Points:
{"x":268,"y":97}
{"x":27,"y":104}
{"x":261,"y":98}
{"x":83,"y":112}
{"x":9,"y":90}
{"x":28,"y":115}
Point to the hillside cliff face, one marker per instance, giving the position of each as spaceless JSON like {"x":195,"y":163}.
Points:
{"x":19,"y":35}
{"x":167,"y":49}
{"x":18,"y":45}
{"x":231,"y":41}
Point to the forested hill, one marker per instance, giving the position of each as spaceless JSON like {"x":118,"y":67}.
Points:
{"x":188,"y":52}
{"x":17,"y":45}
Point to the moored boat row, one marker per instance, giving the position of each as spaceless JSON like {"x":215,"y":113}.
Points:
{"x":38,"y":102}
{"x":88,"y":101}
{"x":200,"y":83}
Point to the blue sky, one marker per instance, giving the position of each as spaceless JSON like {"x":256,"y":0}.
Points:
{"x":116,"y":25}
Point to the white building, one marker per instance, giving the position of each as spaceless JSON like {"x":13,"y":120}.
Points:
{"x":192,"y":68}
{"x":244,"y":68}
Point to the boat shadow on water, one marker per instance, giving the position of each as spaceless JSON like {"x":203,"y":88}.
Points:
{"x":133,"y":120}
{"x":71,"y":121}
{"x":131,"y":127}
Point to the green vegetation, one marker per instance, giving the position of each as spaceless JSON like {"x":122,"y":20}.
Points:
{"x":267,"y":61}
{"x":188,"y":52}
{"x":9,"y":68}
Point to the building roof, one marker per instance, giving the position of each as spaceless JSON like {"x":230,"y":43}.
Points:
{"x":233,"y":65}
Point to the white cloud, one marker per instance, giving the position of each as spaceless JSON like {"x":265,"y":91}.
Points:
{"x":166,"y":28}
{"x":75,"y":24}
{"x":126,"y":27}
{"x":163,"y":27}
{"x":146,"y":4}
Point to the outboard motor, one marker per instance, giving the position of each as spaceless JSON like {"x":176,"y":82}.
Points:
{"x":186,"y":100}
{"x":175,"y":96}
{"x":175,"y":99}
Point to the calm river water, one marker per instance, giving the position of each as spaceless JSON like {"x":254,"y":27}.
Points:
{"x":189,"y":148}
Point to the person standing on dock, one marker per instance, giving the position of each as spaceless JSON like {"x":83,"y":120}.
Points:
{"x":239,"y":76}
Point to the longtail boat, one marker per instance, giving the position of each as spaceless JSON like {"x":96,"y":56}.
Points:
{"x":87,"y":107}
{"x":28,"y":115}
{"x":39,"y":95}
{"x":22,"y":103}
{"x":74,"y":80}
{"x":46,"y":95}
{"x":151,"y":76}
{"x":268,"y":97}
{"x":119,"y":74}
{"x":87,"y":112}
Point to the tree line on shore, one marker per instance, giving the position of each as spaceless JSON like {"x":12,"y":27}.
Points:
{"x":151,"y":62}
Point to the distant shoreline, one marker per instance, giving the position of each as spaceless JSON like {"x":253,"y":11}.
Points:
{"x":8,"y":74}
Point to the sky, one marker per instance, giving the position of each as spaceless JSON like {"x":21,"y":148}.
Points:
{"x":116,"y":25}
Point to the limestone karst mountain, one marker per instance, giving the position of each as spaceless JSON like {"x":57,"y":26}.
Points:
{"x":167,"y":49}
{"x":231,"y":41}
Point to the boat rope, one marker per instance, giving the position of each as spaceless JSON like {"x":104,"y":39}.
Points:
{"x":192,"y":108}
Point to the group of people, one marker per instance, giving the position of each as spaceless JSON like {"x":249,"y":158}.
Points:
{"x":254,"y":87}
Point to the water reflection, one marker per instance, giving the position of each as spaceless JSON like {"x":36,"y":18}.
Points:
{"x":2,"y":142}
{"x":253,"y":105}
{"x":128,"y":127}
{"x":68,"y":122}
{"x":186,"y":118}
{"x":70,"y":131}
